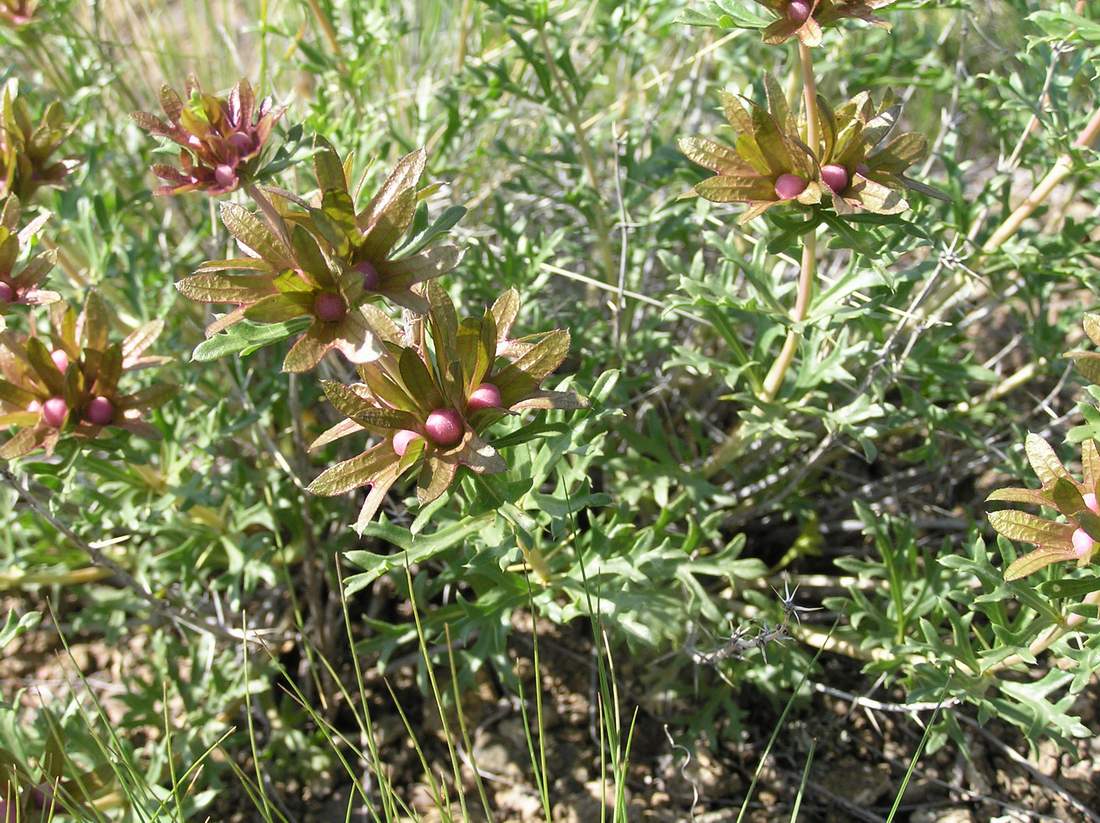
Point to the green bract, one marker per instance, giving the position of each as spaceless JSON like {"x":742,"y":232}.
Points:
{"x":767,"y":147}
{"x":26,"y":149}
{"x":407,"y":384}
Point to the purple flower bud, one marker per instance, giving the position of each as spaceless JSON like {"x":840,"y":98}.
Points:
{"x":444,"y":427}
{"x":402,"y":439}
{"x":226,"y":175}
{"x":789,"y":186}
{"x":485,"y":396}
{"x":1082,"y":543}
{"x":329,"y":307}
{"x":60,"y":359}
{"x":799,"y":10}
{"x":7,"y":293}
{"x":54,"y":412}
{"x":835,"y":177}
{"x":371,"y":278}
{"x":241,"y":142}
{"x":100,"y":411}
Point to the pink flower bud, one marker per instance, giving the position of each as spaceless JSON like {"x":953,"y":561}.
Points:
{"x":1082,"y":543}
{"x":100,"y":411}
{"x":34,"y":407}
{"x":60,"y":359}
{"x":444,"y":427}
{"x":241,"y":142}
{"x":402,"y":439}
{"x":789,"y":186}
{"x":7,"y":293}
{"x":485,"y":396}
{"x":1092,"y":503}
{"x":799,"y":10}
{"x":835,"y":177}
{"x":371,"y":278}
{"x":226,"y":175}
{"x":54,"y":412}
{"x":329,"y":307}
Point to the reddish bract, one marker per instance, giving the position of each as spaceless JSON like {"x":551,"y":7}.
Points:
{"x":329,"y":307}
{"x":835,"y":177}
{"x":100,"y":411}
{"x":402,"y":439}
{"x":54,"y":412}
{"x":789,"y":186}
{"x":7,"y":293}
{"x":485,"y":396}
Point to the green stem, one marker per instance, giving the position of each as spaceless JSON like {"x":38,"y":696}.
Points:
{"x":730,"y":448}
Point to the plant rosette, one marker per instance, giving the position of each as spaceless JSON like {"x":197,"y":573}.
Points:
{"x":74,"y":389}
{"x":768,"y":165}
{"x":432,"y":412}
{"x":221,"y":139}
{"x":1074,"y":541}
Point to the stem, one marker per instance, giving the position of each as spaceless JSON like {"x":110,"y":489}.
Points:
{"x":1049,"y":637}
{"x":1060,"y":171}
{"x":588,"y":160}
{"x":728,"y":450}
{"x":326,"y":26}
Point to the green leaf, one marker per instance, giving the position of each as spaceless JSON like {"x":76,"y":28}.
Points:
{"x":246,"y":337}
{"x":415,"y":548}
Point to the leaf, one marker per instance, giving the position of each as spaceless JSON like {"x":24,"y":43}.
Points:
{"x":246,"y":337}
{"x":351,"y":474}
{"x":221,"y":288}
{"x":1071,"y":589}
{"x":253,"y":234}
{"x":415,"y":548}
{"x":1036,"y":560}
{"x":15,"y":626}
{"x":1029,"y":528}
{"x":1044,"y":462}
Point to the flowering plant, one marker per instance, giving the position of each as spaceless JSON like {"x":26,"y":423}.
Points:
{"x":27,"y":150}
{"x":21,"y":280}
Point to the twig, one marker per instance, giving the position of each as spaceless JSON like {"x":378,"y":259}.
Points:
{"x":176,"y":612}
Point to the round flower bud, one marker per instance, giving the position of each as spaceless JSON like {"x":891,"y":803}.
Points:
{"x":371,"y":278}
{"x":100,"y":411}
{"x":789,"y":186}
{"x":1092,"y":503}
{"x":444,"y":427}
{"x":835,"y":177}
{"x":60,"y":359}
{"x":54,"y":412}
{"x":402,"y":439}
{"x":226,"y":175}
{"x":485,"y":396}
{"x":799,"y":10}
{"x":241,"y":142}
{"x":7,"y":293}
{"x":329,"y":307}
{"x":1082,"y":543}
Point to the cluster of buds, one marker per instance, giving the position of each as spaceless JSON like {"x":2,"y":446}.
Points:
{"x":325,"y":262}
{"x":806,"y":19}
{"x":21,"y":279}
{"x":71,"y":387}
{"x":221,"y":140}
{"x":27,"y":149}
{"x":855,"y":164}
{"x":432,"y":405}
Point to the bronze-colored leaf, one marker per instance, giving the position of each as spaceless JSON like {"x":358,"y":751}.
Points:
{"x":1037,"y":560}
{"x":1030,"y":528}
{"x":358,"y":471}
